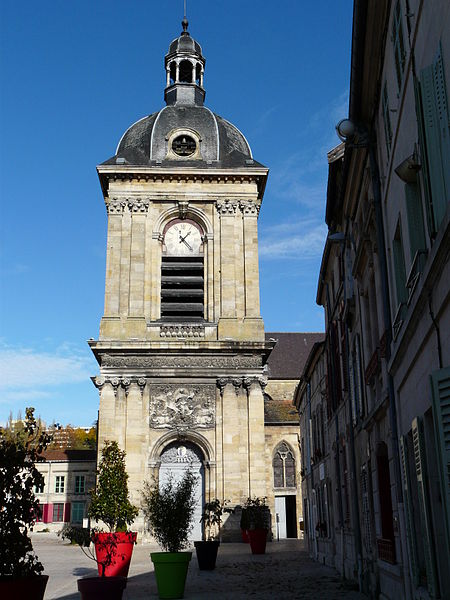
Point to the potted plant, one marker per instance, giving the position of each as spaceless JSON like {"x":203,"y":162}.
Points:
{"x":96,"y":588}
{"x":208,"y":547}
{"x":20,"y":570}
{"x":245,"y":525}
{"x":169,"y":510}
{"x":111,"y":505}
{"x":258,"y":515}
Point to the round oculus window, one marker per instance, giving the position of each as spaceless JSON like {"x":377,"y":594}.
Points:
{"x":184,"y":145}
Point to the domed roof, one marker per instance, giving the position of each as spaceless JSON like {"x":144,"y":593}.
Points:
{"x":148,"y":141}
{"x":184,"y":44}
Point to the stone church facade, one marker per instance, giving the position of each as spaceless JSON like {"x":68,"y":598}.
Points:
{"x":182,"y":350}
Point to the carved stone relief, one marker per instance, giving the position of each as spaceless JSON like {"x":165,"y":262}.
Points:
{"x":184,"y":453}
{"x":227,"y":207}
{"x":182,"y":362}
{"x":182,"y":407}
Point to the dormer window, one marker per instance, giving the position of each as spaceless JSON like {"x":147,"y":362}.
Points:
{"x":184,"y":145}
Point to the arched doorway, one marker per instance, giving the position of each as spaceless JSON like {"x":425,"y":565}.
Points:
{"x":175,"y":459}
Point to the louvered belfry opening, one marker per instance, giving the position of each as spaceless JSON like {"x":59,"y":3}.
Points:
{"x":182,"y":288}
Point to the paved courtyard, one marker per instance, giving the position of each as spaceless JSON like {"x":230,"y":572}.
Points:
{"x":284,"y":572}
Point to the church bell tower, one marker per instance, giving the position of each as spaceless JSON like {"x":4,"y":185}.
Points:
{"x":181,"y":348}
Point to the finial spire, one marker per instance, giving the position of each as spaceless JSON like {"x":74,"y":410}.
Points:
{"x":185,"y":22}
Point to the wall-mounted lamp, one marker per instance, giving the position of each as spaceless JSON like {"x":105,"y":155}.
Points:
{"x":407,"y":170}
{"x":352,"y":134}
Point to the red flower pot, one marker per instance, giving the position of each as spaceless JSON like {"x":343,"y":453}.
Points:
{"x":114,"y":550}
{"x":258,"y":538}
{"x":244,"y":534}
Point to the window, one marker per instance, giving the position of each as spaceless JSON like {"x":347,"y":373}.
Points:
{"x":39,"y":488}
{"x":77,"y":512}
{"x":386,"y":119}
{"x":59,"y":484}
{"x":79,"y":484}
{"x":399,"y":45}
{"x":386,"y":546}
{"x":283,"y":467}
{"x":182,"y":272}
{"x":58,"y":512}
{"x":399,"y":266}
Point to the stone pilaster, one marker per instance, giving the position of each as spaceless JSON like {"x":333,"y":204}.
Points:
{"x":256,"y":440}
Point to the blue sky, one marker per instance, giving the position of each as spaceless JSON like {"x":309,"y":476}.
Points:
{"x":74,"y":76}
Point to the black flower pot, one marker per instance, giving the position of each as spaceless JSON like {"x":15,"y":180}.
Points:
{"x":31,"y":588}
{"x":207,"y":554}
{"x":102,"y":588}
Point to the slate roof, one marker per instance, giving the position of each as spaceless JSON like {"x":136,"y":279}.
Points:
{"x":276,"y":412}
{"x":290,"y":354}
{"x":69,"y":454}
{"x":222,"y":144}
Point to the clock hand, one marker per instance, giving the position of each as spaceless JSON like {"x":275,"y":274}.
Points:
{"x":183,"y":238}
{"x":186,"y":244}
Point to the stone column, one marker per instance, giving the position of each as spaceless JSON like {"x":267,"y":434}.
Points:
{"x":227,"y":213}
{"x":134,"y":443}
{"x":167,"y":77}
{"x":231,"y":467}
{"x":138,"y":209}
{"x":115,"y":209}
{"x":107,"y":409}
{"x":250,"y":212}
{"x":256,"y":439}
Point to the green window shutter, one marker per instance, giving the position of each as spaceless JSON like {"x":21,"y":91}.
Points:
{"x":352,"y":387}
{"x":399,"y":46}
{"x":440,"y":384}
{"x":437,"y":133}
{"x":409,"y":514}
{"x":415,"y":219}
{"x":359,"y":375}
{"x":424,"y":504}
{"x":426,"y":190}
{"x":386,"y":118}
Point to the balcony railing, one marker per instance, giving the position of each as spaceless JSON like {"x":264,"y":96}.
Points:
{"x":386,"y":550}
{"x":414,"y":273}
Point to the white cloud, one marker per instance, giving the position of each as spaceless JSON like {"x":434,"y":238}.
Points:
{"x":297,"y":241}
{"x":28,"y":373}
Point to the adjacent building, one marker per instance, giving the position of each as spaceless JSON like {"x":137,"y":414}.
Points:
{"x":64,"y":495}
{"x":374,"y":399}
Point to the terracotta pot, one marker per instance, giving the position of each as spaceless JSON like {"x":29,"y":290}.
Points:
{"x":258,"y":538}
{"x":207,"y":554}
{"x":31,"y":588}
{"x":102,"y":588}
{"x":115,"y":549}
{"x":170,"y":572}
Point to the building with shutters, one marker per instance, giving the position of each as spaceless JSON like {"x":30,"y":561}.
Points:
{"x":182,"y":351}
{"x":384,"y":285}
{"x":64,"y":495}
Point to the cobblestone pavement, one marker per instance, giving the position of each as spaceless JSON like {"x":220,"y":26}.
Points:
{"x":284,"y":572}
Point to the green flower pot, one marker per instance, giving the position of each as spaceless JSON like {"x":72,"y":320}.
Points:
{"x":170,"y":571}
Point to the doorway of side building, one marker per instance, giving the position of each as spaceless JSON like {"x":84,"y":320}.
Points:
{"x":286,"y":516}
{"x":176,"y":458}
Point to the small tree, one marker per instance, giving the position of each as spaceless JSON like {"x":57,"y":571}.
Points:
{"x":212,"y":518}
{"x":18,"y":504}
{"x":109,"y":501}
{"x":169,"y":510}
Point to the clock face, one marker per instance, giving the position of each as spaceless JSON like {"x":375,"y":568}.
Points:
{"x":183,"y":239}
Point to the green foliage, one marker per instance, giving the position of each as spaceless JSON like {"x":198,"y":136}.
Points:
{"x":109,"y":501}
{"x":18,"y":505}
{"x":255,"y":514}
{"x":212,"y":518}
{"x":169,"y":510}
{"x":76,"y":535}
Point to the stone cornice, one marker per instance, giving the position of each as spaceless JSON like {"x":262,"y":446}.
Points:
{"x":154,"y":174}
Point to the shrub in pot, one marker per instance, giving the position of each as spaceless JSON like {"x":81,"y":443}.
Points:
{"x":245,"y":525}
{"x":20,"y":570}
{"x":111,"y":505}
{"x":258,"y":515}
{"x":168,"y":510}
{"x":208,"y":547}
